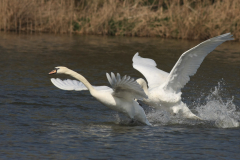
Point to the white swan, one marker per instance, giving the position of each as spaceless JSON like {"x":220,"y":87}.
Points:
{"x":120,"y":98}
{"x":165,"y":88}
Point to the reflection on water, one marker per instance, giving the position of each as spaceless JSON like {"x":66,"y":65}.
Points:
{"x":39,"y":121}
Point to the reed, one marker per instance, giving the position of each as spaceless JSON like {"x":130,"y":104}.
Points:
{"x":182,"y":19}
{"x":36,"y":15}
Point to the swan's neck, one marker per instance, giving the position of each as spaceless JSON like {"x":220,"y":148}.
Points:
{"x":82,"y":79}
{"x":143,"y":84}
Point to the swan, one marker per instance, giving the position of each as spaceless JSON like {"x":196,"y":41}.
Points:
{"x":164,"y":90}
{"x":119,"y":98}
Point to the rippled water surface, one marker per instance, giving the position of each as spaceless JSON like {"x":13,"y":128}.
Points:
{"x":40,"y":121}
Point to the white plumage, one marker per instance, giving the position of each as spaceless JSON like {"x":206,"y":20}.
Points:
{"x":165,"y":88}
{"x":71,"y":85}
{"x":119,"y":98}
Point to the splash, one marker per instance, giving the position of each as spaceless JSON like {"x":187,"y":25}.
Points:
{"x":219,"y":109}
{"x":160,"y":117}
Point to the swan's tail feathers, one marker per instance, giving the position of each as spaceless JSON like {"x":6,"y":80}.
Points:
{"x":148,"y":123}
{"x":193,"y":117}
{"x":198,"y":118}
{"x":68,"y":84}
{"x":125,"y":87}
{"x":184,"y":111}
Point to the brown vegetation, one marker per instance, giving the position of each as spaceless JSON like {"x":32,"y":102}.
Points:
{"x":36,"y":15}
{"x":183,"y":19}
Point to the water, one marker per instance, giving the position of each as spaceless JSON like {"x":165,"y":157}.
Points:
{"x":40,"y":121}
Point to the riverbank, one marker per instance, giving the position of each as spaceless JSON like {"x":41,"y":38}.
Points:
{"x":168,"y":19}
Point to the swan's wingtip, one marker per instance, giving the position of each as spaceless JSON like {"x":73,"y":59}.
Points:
{"x":222,"y":37}
{"x":136,"y":54}
{"x":52,"y":79}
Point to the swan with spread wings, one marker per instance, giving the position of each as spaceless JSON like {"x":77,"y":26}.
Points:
{"x":164,"y":89}
{"x":119,"y":98}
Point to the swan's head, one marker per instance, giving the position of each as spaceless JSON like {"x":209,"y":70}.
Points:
{"x":59,"y":70}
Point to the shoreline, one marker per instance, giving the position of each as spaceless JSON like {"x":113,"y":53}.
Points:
{"x":138,"y":18}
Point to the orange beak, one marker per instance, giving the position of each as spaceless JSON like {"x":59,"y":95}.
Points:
{"x":53,"y":72}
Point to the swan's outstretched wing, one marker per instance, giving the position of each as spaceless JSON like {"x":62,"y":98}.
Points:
{"x":69,"y":84}
{"x":147,"y":67}
{"x":125,"y":87}
{"x":190,"y":61}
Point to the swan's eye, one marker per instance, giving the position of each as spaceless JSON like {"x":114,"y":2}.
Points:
{"x":57,"y":69}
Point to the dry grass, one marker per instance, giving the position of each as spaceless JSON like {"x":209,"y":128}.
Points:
{"x":183,"y":19}
{"x":36,"y":15}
